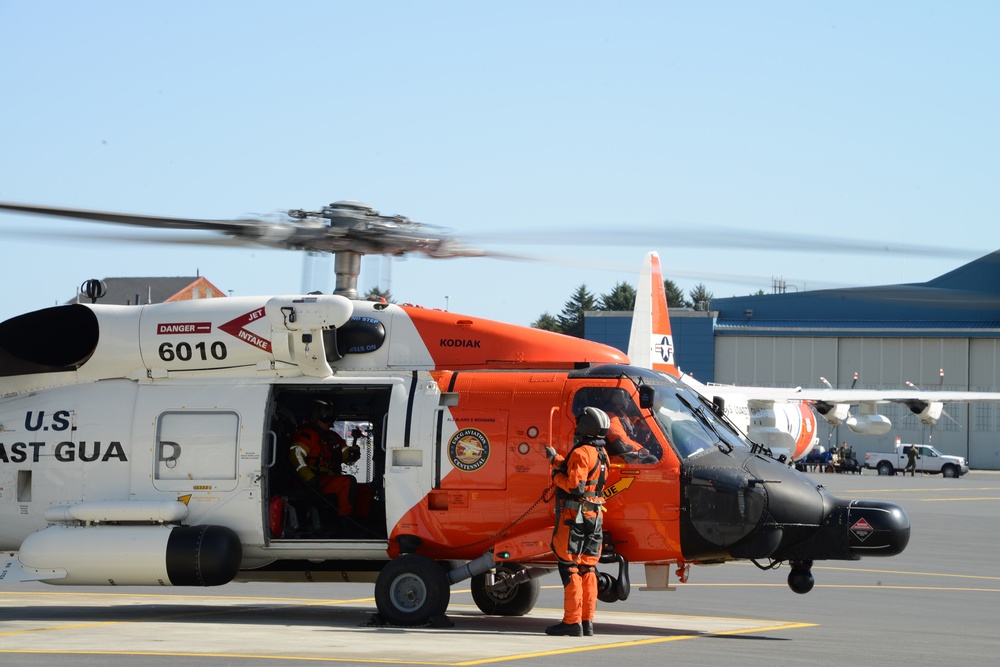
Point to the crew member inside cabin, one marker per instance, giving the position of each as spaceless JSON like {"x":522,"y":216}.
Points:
{"x":622,"y":436}
{"x":317,"y":454}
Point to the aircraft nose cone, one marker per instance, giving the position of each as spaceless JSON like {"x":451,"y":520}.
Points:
{"x":877,"y":528}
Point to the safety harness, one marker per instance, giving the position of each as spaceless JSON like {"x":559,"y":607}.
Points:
{"x":591,"y":496}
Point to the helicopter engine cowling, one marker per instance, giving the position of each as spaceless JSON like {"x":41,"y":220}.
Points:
{"x":156,"y":555}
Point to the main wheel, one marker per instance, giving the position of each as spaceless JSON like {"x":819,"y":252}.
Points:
{"x":516,"y":601}
{"x":885,"y":468}
{"x":949,"y":471}
{"x":411,"y":589}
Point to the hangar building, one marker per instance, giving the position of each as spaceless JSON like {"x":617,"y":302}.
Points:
{"x":889,"y":335}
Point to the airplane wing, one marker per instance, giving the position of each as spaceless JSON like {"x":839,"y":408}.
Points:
{"x":858,"y":396}
{"x":835,"y":405}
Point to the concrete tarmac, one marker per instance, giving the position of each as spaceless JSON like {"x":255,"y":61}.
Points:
{"x":933,"y":604}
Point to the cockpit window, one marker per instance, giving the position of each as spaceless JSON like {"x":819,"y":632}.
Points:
{"x":689,"y":425}
{"x":685,"y":421}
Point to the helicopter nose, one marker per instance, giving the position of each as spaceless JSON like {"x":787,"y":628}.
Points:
{"x":876,"y":528}
{"x":849,"y":530}
{"x":816,"y":525}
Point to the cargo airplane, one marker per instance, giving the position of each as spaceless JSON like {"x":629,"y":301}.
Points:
{"x":782,"y":419}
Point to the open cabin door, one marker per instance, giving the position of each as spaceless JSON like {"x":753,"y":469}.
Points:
{"x":296,"y":510}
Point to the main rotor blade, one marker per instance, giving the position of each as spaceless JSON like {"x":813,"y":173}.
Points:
{"x":711,"y":236}
{"x":205,"y":238}
{"x":130,"y":219}
{"x":340,"y":227}
{"x":367,"y":232}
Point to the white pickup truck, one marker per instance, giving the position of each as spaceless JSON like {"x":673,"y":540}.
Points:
{"x":930,"y":461}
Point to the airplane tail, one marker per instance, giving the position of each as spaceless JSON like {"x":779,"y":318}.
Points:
{"x":651,"y":344}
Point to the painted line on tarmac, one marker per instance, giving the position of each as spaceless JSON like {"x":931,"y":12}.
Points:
{"x":869,"y":570}
{"x":957,"y":589}
{"x":779,"y":626}
{"x":922,"y":489}
{"x":893,"y":586}
{"x":945,"y":500}
{"x":185,"y":596}
{"x":288,"y":603}
{"x":905,"y":572}
{"x":615,"y":630}
{"x":773,"y":627}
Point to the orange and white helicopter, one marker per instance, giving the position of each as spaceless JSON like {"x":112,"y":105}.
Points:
{"x":783,"y":419}
{"x":147,"y":445}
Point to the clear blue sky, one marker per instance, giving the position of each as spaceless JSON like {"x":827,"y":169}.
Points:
{"x":837,"y":121}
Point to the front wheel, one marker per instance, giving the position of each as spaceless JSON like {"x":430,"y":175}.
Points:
{"x":498,"y":601}
{"x":411,"y":589}
{"x":885,"y":468}
{"x":949,"y":471}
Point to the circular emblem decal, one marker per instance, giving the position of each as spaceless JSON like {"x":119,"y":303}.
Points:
{"x":469,"y":449}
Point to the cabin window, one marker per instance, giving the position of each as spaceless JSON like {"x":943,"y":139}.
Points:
{"x":194,"y":446}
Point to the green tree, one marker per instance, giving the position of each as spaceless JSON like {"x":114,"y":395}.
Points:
{"x":377,"y":294}
{"x":700,"y":297}
{"x":571,"y":317}
{"x":547,"y":322}
{"x":621,"y":297}
{"x":675,"y":295}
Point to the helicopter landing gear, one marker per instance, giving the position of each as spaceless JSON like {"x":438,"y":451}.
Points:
{"x":800,"y":579}
{"x":412,"y":590}
{"x":512,"y":591}
{"x":613,"y":589}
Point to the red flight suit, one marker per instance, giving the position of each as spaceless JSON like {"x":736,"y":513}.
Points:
{"x":319,"y":453}
{"x":621,"y":436}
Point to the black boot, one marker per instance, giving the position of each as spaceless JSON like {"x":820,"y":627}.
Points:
{"x":565,"y":630}
{"x":588,"y":628}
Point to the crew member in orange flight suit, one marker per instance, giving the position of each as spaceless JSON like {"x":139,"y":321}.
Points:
{"x":621,"y":433}
{"x":576,"y":538}
{"x":317,"y":454}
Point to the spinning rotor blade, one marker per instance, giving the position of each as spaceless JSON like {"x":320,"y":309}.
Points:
{"x":711,"y":236}
{"x":128,"y":219}
{"x":196,"y":239}
{"x":355,"y":227}
{"x":350,"y":229}
{"x":343,"y":226}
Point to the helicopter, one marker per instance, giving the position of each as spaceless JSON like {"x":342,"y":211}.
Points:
{"x":149,"y":445}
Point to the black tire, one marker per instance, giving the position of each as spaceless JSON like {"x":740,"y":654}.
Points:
{"x":516,"y":602}
{"x":607,"y":591}
{"x":885,"y":468}
{"x":411,"y":590}
{"x":949,"y":471}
